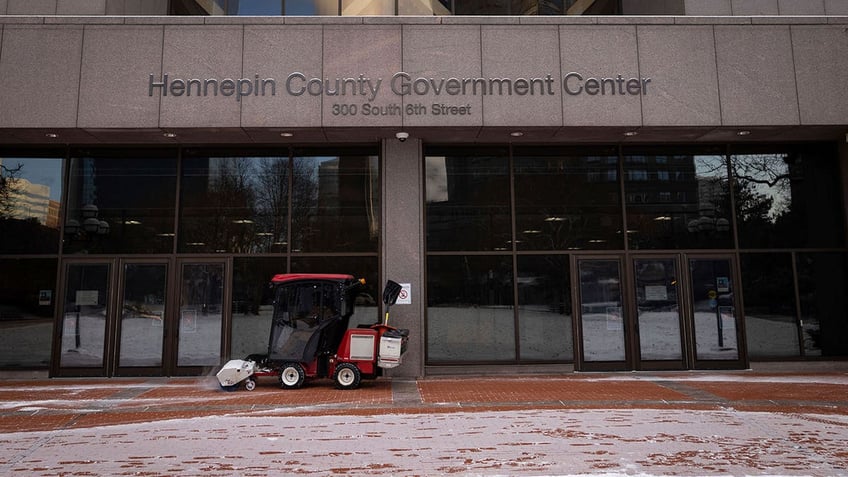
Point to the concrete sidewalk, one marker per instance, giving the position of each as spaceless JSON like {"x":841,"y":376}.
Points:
{"x":700,"y":423}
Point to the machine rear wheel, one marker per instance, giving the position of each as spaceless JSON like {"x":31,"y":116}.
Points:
{"x":292,"y":376}
{"x":347,"y":376}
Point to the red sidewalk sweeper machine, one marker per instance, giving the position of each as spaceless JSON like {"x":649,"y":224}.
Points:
{"x":310,"y":336}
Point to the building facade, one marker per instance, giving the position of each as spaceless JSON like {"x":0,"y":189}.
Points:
{"x":574,"y":185}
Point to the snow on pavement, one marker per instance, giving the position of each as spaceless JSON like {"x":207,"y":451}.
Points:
{"x":531,"y":442}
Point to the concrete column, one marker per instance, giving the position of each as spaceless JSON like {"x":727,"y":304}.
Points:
{"x":403,"y":243}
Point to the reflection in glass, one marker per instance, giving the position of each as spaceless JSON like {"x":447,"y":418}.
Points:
{"x":234,"y":204}
{"x":544,"y":308}
{"x":84,"y":316}
{"x":312,"y":7}
{"x":254,"y":7}
{"x":119,"y":204}
{"x":822,"y":282}
{"x":252,"y":304}
{"x":468,"y":203}
{"x":714,"y":309}
{"x":601,"y":313}
{"x":27,"y":300}
{"x":677,"y":201}
{"x":335,"y":204}
{"x":658,"y":307}
{"x":30,"y":193}
{"x":368,"y":7}
{"x":367,"y":296}
{"x":770,"y":322}
{"x":143,"y":314}
{"x":470,"y":314}
{"x":787,"y":199}
{"x":424,"y":7}
{"x":567,"y":203}
{"x":201,"y":308}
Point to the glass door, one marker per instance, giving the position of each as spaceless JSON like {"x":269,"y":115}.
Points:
{"x":602,"y":323}
{"x":143,"y":322}
{"x":658,"y":313}
{"x":201,"y":316}
{"x":87,"y":320}
{"x":717,"y":331}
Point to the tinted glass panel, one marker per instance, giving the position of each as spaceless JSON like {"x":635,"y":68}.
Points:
{"x":482,"y":7}
{"x":336,"y":204}
{"x":27,"y":301}
{"x":84,"y":316}
{"x":30,"y":193}
{"x":567,"y":203}
{"x":368,"y":7}
{"x":468,"y":203}
{"x":252,"y":303}
{"x":658,"y":308}
{"x":470,"y":313}
{"x":769,"y":295}
{"x":677,"y":201}
{"x":544,"y":308}
{"x":788,"y":199}
{"x":234,"y":204}
{"x":312,"y":7}
{"x":120,"y":204}
{"x":822,"y":282}
{"x":201,"y":312}
{"x":143,"y":314}
{"x":601,"y":312}
{"x":714,"y":309}
{"x":254,"y":7}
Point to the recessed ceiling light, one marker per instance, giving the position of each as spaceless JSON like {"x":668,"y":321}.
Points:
{"x":744,"y":132}
{"x":631,"y":133}
{"x":51,"y":135}
{"x":286,"y":134}
{"x":169,"y":134}
{"x":516,"y":134}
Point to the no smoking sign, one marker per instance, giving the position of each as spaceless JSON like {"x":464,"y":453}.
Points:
{"x":405,"y":295}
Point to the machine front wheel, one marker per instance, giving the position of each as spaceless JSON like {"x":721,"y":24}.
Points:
{"x":292,"y":376}
{"x":347,"y":376}
{"x":250,"y":384}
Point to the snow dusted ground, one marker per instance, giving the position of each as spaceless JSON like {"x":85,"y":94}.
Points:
{"x":528,"y":442}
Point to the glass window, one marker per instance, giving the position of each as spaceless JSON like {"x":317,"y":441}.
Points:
{"x":312,"y":7}
{"x":482,"y":7}
{"x":252,"y":304}
{"x":201,"y":314}
{"x":769,"y":295}
{"x":336,"y":204}
{"x":366,"y":310}
{"x":470,"y":315}
{"x":27,"y":301}
{"x":120,"y":202}
{"x":254,"y":7}
{"x":788,"y":199}
{"x":84,"y":315}
{"x":822,"y":282}
{"x":424,"y":7}
{"x":234,"y":204}
{"x":30,"y":194}
{"x":691,"y":211}
{"x":368,"y":7}
{"x":468,"y":202}
{"x":601,"y":312}
{"x":567,"y":203}
{"x":544,"y":308}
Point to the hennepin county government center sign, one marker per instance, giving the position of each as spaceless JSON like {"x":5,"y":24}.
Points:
{"x":402,"y":84}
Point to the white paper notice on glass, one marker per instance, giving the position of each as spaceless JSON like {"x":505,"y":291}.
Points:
{"x":656,"y":293}
{"x":86,"y":297}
